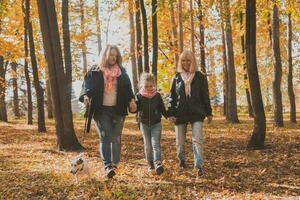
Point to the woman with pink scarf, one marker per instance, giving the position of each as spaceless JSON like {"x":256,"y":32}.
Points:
{"x":108,"y":89}
{"x":190,"y":103}
{"x":150,"y":110}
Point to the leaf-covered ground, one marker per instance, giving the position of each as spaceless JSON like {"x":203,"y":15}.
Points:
{"x":32,"y":168}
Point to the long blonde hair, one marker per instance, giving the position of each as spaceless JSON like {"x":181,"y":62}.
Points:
{"x":193,"y":66}
{"x":145,"y":78}
{"x":105,"y":55}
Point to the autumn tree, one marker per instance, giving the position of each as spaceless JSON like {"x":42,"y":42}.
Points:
{"x":66,"y":138}
{"x":14,"y":76}
{"x":138,"y":37}
{"x":145,"y":35}
{"x":154,"y":37}
{"x":259,"y":130}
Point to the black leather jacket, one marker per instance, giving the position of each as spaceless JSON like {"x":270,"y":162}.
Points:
{"x":190,"y":109}
{"x":93,"y":87}
{"x":150,"y":110}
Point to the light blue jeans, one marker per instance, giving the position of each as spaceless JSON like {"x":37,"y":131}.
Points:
{"x":151,"y":137}
{"x":197,"y":141}
{"x":109,"y":126}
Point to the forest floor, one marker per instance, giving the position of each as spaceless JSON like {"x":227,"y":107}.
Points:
{"x":32,"y":168}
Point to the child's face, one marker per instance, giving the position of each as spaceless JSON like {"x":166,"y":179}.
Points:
{"x":149,"y":86}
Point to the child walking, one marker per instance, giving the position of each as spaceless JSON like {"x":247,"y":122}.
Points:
{"x":150,"y":110}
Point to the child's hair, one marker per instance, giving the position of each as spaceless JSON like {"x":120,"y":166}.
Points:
{"x":193,"y":66}
{"x":146,"y":77}
{"x":105,"y":55}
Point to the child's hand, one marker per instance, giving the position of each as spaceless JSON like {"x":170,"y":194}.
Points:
{"x":86,"y":100}
{"x":209,"y":119}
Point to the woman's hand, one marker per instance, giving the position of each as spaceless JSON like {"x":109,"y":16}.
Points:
{"x":132,"y":106}
{"x":172,"y":119}
{"x":86,"y":100}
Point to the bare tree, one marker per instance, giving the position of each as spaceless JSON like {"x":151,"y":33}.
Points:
{"x":98,"y":26}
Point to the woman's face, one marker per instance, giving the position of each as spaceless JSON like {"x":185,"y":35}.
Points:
{"x":112,"y":58}
{"x":186,"y":62}
{"x":149,"y":86}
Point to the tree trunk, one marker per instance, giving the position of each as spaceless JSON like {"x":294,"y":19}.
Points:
{"x":145,"y":36}
{"x":3,"y":112}
{"x":98,"y":26}
{"x":192,"y":26}
{"x":201,"y":43}
{"x":155,"y":38}
{"x":15,"y":89}
{"x":49,"y":100}
{"x":246,"y":81}
{"x":277,"y":97}
{"x":67,"y":47}
{"x":174,"y":35}
{"x":26,"y":72}
{"x":35,"y":72}
{"x":82,"y":28}
{"x":66,"y":138}
{"x":290,"y":74}
{"x":259,"y":131}
{"x":181,"y":44}
{"x":138,"y":37}
{"x":132,"y":45}
{"x":225,"y":76}
{"x":231,"y":103}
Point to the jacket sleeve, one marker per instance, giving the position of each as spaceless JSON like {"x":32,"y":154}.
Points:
{"x":86,"y":88}
{"x":173,"y":98}
{"x":205,"y":95}
{"x":128,"y":87}
{"x":162,"y":107}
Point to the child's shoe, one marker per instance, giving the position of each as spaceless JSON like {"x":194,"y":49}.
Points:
{"x":200,"y":171}
{"x":151,"y":165}
{"x":158,"y":168}
{"x":182,"y":164}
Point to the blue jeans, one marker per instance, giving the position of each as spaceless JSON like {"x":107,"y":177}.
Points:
{"x":197,"y":141}
{"x":109,"y":126}
{"x":151,"y":136}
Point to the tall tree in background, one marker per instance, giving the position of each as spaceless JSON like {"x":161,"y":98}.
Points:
{"x":82,"y":28}
{"x":138,"y":37}
{"x":201,"y":42}
{"x":259,"y":131}
{"x":98,"y":26}
{"x":145,"y":36}
{"x":290,"y":73}
{"x":35,"y":72}
{"x":246,"y":82}
{"x":132,"y":45}
{"x":180,"y":24}
{"x":154,"y":37}
{"x":231,"y":111}
{"x":26,"y":72}
{"x":67,"y":47}
{"x":192,"y":25}
{"x":66,"y":138}
{"x":277,"y":96}
{"x":3,"y":69}
{"x":49,"y":99}
{"x":174,"y":34}
{"x":14,"y":76}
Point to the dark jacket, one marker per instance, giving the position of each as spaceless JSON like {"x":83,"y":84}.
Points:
{"x":93,"y":87}
{"x":190,"y":109}
{"x":150,"y":110}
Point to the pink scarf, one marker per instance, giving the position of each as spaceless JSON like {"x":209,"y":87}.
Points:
{"x":147,"y":94}
{"x":187,"y":77}
{"x":110,"y":76}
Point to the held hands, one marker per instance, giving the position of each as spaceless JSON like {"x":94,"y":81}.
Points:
{"x":172,"y":119}
{"x":86,"y":100}
{"x":132,"y":106}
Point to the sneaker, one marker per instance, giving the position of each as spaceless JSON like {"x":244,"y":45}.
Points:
{"x":182,"y":164}
{"x":151,"y":165}
{"x":110,"y":173}
{"x":159,"y":169}
{"x":200,"y":171}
